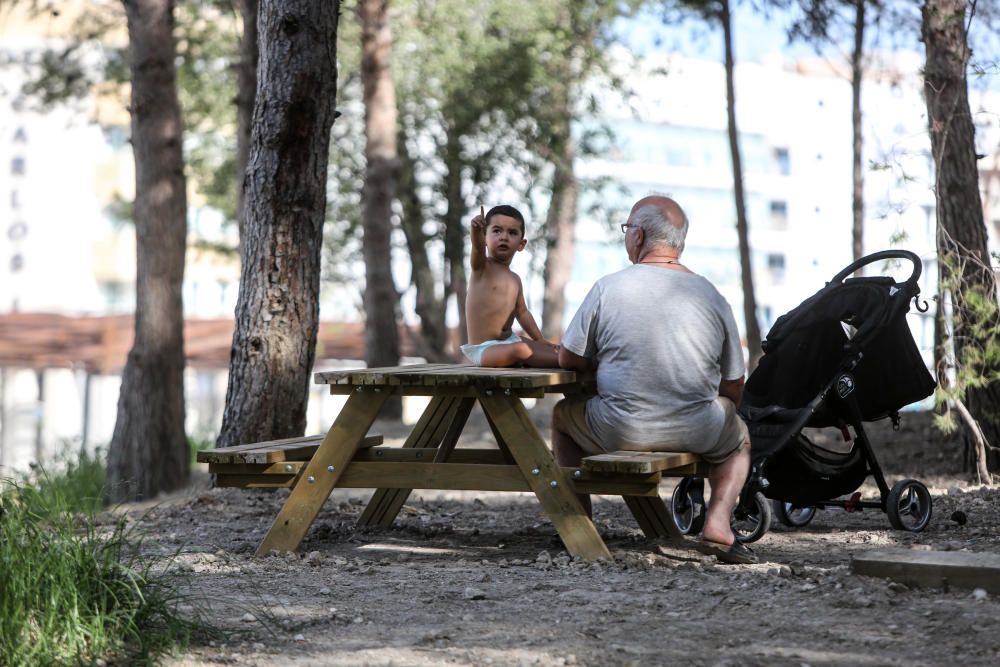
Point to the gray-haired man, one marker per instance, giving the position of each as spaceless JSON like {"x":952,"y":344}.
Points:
{"x":669,"y":368}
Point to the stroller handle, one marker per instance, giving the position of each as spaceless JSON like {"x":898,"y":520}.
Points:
{"x":879,"y":256}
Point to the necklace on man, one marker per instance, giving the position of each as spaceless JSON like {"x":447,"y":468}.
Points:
{"x":668,"y":261}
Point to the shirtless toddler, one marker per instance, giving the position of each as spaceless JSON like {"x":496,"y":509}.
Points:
{"x":495,"y":297}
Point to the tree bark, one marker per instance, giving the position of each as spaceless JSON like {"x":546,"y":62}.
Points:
{"x":245,"y":94}
{"x":429,"y":308}
{"x":962,"y":249}
{"x":379,"y":190}
{"x":277,"y":312}
{"x":858,"y":197}
{"x":148,"y":451}
{"x":560,"y":226}
{"x":454,"y":230}
{"x":742,"y":226}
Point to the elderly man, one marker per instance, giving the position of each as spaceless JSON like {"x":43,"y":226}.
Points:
{"x":669,"y":369}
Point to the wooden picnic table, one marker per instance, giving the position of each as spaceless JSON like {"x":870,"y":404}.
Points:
{"x":348,"y":457}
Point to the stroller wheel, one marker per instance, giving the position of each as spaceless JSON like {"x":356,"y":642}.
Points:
{"x":688,"y":505}
{"x":752,"y":518}
{"x":793,"y":516}
{"x":909,"y":506}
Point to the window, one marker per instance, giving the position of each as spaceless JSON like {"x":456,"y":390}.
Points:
{"x":15,"y":200}
{"x":776,"y":268}
{"x":20,"y":136}
{"x":782,"y":161}
{"x":17,"y":166}
{"x":779,"y":215}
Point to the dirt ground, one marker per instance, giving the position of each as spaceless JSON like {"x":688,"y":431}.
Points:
{"x":480,"y":579}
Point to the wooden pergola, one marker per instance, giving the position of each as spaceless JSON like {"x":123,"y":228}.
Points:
{"x":100,"y":344}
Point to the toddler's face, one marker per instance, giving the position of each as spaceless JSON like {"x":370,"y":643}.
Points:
{"x":504,"y":237}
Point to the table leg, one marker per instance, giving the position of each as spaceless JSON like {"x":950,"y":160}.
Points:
{"x":430,"y":430}
{"x":324,"y":469}
{"x":501,"y":445}
{"x":653,"y":516}
{"x":545,"y":478}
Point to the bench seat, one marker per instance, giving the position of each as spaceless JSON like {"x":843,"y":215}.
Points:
{"x":670,"y":464}
{"x":274,"y":451}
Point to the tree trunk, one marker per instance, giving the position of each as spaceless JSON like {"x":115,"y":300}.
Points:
{"x":148,"y":451}
{"x":277,"y":312}
{"x":742,"y":227}
{"x":379,"y":190}
{"x":245,"y":94}
{"x":429,"y":308}
{"x":454,"y":230}
{"x":858,"y":198}
{"x":962,"y":249}
{"x":560,"y":226}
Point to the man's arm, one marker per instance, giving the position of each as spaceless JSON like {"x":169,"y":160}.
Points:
{"x":574,"y":362}
{"x":732,"y":389}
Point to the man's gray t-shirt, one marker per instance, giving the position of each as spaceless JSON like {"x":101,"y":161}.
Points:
{"x":663,"y":340}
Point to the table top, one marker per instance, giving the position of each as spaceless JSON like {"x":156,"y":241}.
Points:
{"x":464,"y":375}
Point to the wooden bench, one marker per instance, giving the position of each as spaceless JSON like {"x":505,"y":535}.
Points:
{"x":266,"y":465}
{"x":655,"y":519}
{"x":633,"y":475}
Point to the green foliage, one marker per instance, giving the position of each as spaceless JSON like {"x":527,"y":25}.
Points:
{"x":74,"y":589}
{"x":973,"y":357}
{"x":207,"y":34}
{"x":73,"y":482}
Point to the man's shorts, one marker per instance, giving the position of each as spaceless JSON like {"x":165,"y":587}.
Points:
{"x":570,"y":417}
{"x":474,"y":352}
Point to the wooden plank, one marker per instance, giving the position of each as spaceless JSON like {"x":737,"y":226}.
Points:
{"x":292,"y":449}
{"x":646,"y":523}
{"x":256,"y":482}
{"x":462,"y":455}
{"x":428,"y":432}
{"x":653,"y":516}
{"x":447,"y":445}
{"x":259,"y":445}
{"x":551,"y":485}
{"x":501,"y":445}
{"x":450,"y":375}
{"x":638,"y":462}
{"x":446,"y":476}
{"x":369,"y":470}
{"x":961,"y":569}
{"x":324,"y":469}
{"x":284,"y":469}
{"x":445,"y":436}
{"x":439,"y":390}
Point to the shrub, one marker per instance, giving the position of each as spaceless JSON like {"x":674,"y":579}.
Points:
{"x":73,"y":590}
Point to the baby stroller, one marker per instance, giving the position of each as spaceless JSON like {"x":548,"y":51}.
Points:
{"x":843,"y":357}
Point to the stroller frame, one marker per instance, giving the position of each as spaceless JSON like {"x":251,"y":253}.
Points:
{"x":907,"y":503}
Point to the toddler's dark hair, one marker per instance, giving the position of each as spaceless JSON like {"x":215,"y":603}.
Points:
{"x":509,"y":211}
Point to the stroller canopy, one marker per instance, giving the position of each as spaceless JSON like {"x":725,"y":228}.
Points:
{"x":808,"y":346}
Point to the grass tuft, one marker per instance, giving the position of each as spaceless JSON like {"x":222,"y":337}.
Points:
{"x":74,"y":590}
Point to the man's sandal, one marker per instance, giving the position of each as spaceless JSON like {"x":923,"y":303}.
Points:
{"x":736,"y":553}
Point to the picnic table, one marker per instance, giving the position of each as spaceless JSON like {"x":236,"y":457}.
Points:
{"x":349,"y":457}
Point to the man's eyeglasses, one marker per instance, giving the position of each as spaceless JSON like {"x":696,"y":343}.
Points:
{"x":625,"y":227}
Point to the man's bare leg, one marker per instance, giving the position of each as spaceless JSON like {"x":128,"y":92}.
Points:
{"x":726,"y":480}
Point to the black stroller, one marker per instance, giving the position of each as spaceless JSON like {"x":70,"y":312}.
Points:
{"x":844,"y":356}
